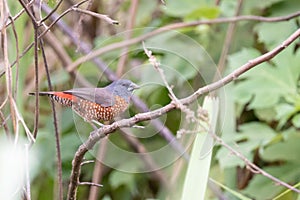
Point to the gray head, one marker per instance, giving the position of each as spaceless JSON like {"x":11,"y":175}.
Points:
{"x":122,"y":88}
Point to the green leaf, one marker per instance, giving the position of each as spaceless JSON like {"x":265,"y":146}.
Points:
{"x":284,"y":150}
{"x":118,"y":178}
{"x":227,"y":160}
{"x":266,"y":114}
{"x":240,"y":58}
{"x":296,"y":121}
{"x":256,"y":133}
{"x":269,"y":35}
{"x":284,"y":113}
{"x":181,"y":57}
{"x":181,"y":8}
{"x":204,"y":12}
{"x":253,"y":135}
{"x":199,"y":164}
{"x":265,"y":85}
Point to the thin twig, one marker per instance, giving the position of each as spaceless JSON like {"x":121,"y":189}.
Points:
{"x":87,"y":162}
{"x":4,"y":50}
{"x":57,"y":137}
{"x":90,"y":183}
{"x":95,"y":54}
{"x":227,"y":43}
{"x":3,"y":123}
{"x":99,"y":16}
{"x":52,"y":12}
{"x":105,"y":130}
{"x":98,"y":169}
{"x":19,"y":118}
{"x":190,"y":115}
{"x":36,"y":68}
{"x":17,"y":54}
{"x":251,"y":166}
{"x":35,"y":27}
{"x":179,"y":25}
{"x":128,"y":34}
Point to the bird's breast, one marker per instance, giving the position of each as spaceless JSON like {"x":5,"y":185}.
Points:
{"x":120,"y":105}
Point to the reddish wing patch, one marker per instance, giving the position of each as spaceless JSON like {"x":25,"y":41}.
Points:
{"x":65,"y":96}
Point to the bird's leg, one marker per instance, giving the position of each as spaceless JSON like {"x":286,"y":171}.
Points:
{"x":93,"y":125}
{"x":98,"y":123}
{"x":137,"y":126}
{"x":93,"y":122}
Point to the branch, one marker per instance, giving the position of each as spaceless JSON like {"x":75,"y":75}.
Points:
{"x":100,"y":16}
{"x":104,"y":131}
{"x":95,"y":54}
{"x":251,"y":166}
{"x":179,"y":25}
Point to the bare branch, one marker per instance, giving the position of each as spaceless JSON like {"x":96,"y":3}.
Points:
{"x":57,"y":136}
{"x":179,"y":25}
{"x":128,"y":34}
{"x":227,"y":42}
{"x":90,"y":183}
{"x":100,"y":16}
{"x":52,"y":12}
{"x":251,"y":166}
{"x":190,"y":115}
{"x":107,"y":129}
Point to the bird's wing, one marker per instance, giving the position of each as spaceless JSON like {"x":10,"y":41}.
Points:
{"x":98,"y":95}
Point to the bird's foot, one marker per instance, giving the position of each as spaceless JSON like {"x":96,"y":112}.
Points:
{"x":137,"y":126}
{"x":94,"y":123}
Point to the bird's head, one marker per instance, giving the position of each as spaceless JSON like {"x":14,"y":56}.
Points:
{"x":123,"y":88}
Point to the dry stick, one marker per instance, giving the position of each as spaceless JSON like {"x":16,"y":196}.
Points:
{"x":102,"y":132}
{"x":35,"y":27}
{"x":227,"y":43}
{"x":190,"y":115}
{"x":17,"y":54}
{"x":128,"y":34}
{"x":4,"y":13}
{"x":100,"y":16}
{"x":57,"y":137}
{"x":163,"y":131}
{"x":179,"y":25}
{"x":79,"y":28}
{"x":52,"y":12}
{"x":251,"y":166}
{"x":14,"y":18}
{"x":98,"y":169}
{"x":91,"y":184}
{"x":3,"y":123}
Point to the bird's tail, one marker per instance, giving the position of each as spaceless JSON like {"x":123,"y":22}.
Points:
{"x":40,"y":93}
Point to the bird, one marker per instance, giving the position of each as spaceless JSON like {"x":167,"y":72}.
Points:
{"x":96,"y":104}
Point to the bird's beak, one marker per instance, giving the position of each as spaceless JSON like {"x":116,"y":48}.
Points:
{"x":133,"y":86}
